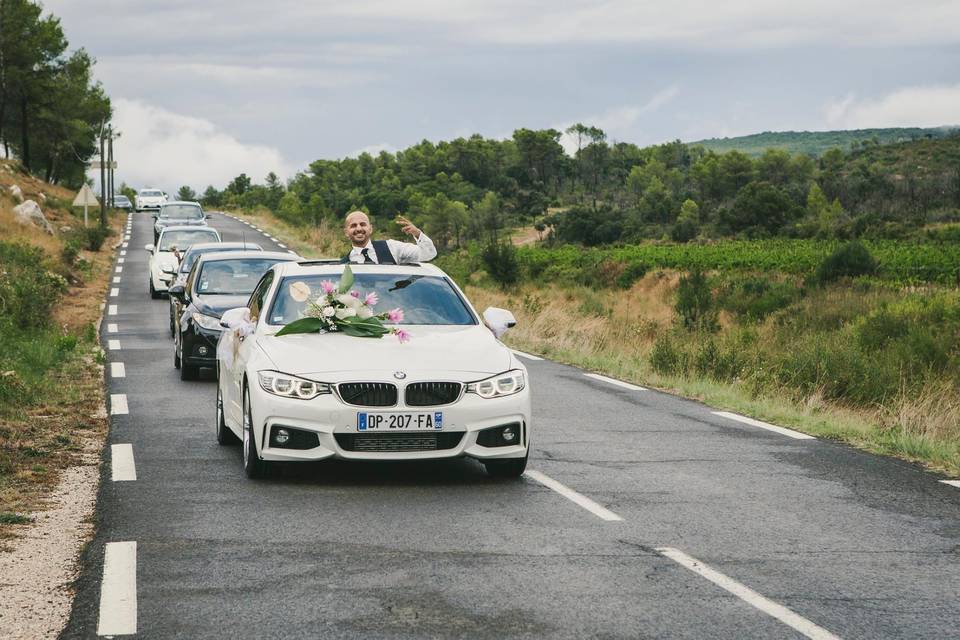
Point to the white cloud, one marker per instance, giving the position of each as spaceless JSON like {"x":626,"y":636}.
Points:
{"x":618,"y":123}
{"x":373,"y":149}
{"x":926,"y":106}
{"x":165,"y":149}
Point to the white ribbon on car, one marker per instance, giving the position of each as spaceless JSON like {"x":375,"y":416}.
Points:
{"x":237,"y":328}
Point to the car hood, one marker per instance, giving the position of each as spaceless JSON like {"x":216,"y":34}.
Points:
{"x":163,"y":259}
{"x":462,"y":353}
{"x":214,"y":305}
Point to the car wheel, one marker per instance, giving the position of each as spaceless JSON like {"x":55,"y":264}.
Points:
{"x":224,"y":435}
{"x":512,"y":468}
{"x":187,"y":371}
{"x":153,"y":292}
{"x":172,"y":327}
{"x":176,"y":355}
{"x":253,"y":465}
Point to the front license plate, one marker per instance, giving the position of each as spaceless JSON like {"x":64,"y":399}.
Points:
{"x":432,"y":421}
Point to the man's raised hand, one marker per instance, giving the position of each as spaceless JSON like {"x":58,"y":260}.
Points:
{"x":407,"y":227}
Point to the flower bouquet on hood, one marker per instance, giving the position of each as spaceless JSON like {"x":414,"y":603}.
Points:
{"x":338,"y":308}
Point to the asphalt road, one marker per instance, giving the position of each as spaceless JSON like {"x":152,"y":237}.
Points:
{"x":782,"y":537}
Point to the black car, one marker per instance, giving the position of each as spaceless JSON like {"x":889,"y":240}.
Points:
{"x":216,"y":283}
{"x":186,"y":263}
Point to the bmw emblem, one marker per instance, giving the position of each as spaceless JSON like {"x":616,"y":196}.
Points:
{"x":399,"y":375}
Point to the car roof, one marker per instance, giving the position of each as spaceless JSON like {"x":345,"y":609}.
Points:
{"x":246,"y":255}
{"x":150,"y":189}
{"x":335,"y":267}
{"x":188,"y":227}
{"x":180,"y":202}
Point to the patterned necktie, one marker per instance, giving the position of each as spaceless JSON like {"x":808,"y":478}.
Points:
{"x":366,"y":256}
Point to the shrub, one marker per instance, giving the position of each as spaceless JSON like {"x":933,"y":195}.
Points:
{"x":632,"y":272}
{"x":500,"y":260}
{"x":667,"y":359}
{"x":848,"y":261}
{"x":94,"y":237}
{"x":755,"y":298}
{"x":28,"y":292}
{"x":695,"y":305}
{"x":70,"y":251}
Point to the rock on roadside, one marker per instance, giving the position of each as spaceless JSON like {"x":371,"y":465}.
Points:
{"x":16,"y":192}
{"x":30,"y":213}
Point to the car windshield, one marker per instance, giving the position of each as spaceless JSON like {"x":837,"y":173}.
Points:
{"x":151,"y":194}
{"x":232,"y":277}
{"x":171,"y":240}
{"x":181,"y":212}
{"x":191,"y":256}
{"x":121,"y":199}
{"x":425,"y":300}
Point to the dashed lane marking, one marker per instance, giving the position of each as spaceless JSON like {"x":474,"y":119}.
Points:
{"x":123,"y":252}
{"x":118,"y":404}
{"x":116,"y":279}
{"x":124,"y":245}
{"x":122,"y":466}
{"x":527,"y":355}
{"x":111,"y":328}
{"x":577,"y":498}
{"x":118,"y":591}
{"x":114,"y":292}
{"x":952,"y":483}
{"x":764,"y":425}
{"x":618,"y":383}
{"x":112,"y":310}
{"x":113,"y":345}
{"x":118,"y":270}
{"x":281,"y":245}
{"x":748,"y":595}
{"x":118,"y":370}
{"x":121,"y":260}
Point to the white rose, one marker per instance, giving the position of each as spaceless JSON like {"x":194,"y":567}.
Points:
{"x":346,"y":313}
{"x":347,"y":300}
{"x":364,"y":312}
{"x":328,"y":311}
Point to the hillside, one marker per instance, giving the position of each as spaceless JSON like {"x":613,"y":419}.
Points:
{"x":815,"y":143}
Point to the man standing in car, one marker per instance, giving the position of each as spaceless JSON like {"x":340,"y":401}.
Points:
{"x":367,"y":251}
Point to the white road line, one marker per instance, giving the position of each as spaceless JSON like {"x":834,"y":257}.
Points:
{"x":269,"y":237}
{"x":111,"y":328}
{"x":952,"y":483}
{"x":118,"y":591}
{"x":113,"y":345}
{"x":748,"y":595}
{"x":116,"y":279}
{"x":292,"y":252}
{"x":527,"y":355}
{"x":112,"y":310}
{"x":122,"y":466}
{"x":118,"y":404}
{"x":619,"y":383}
{"x":281,"y":245}
{"x":118,"y":370}
{"x":570,"y":494}
{"x":118,"y":270}
{"x":764,"y":425}
{"x":121,"y":260}
{"x":114,"y":292}
{"x":123,"y":252}
{"x":124,"y":245}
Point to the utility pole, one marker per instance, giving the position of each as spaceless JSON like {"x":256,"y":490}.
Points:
{"x":110,"y":165}
{"x":103,"y":172}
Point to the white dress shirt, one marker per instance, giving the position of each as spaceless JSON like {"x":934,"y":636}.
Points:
{"x":403,"y":252}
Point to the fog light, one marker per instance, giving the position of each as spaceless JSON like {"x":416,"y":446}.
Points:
{"x":281,"y":436}
{"x":508,"y":434}
{"x":202,"y":351}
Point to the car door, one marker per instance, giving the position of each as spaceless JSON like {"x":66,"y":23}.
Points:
{"x":234,"y":398}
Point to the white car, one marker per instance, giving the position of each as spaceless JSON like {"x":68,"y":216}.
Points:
{"x":149,"y":199}
{"x":165,"y":254}
{"x":453,"y":390}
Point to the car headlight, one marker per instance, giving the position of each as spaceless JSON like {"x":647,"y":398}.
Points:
{"x":502,"y":384}
{"x":287,"y":386}
{"x":207,"y":322}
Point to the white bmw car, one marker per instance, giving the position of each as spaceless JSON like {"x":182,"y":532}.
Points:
{"x":165,"y":254}
{"x":453,"y":390}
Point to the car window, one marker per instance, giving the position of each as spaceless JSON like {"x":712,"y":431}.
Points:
{"x":188,"y":285}
{"x":171,"y":240}
{"x":425,"y":300}
{"x":151,"y":194}
{"x":232,"y":277}
{"x":256,"y":299}
{"x":191,"y":256}
{"x":181,"y":212}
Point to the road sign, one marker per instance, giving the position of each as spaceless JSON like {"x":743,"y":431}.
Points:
{"x":85,"y":198}
{"x":97,"y":164}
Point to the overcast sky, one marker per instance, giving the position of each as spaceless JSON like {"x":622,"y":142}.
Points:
{"x":204,"y":90}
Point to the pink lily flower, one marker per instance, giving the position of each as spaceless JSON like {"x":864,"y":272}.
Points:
{"x":355,"y":294}
{"x":371,"y":299}
{"x":328,"y":287}
{"x":395,"y":315}
{"x":402,"y":336}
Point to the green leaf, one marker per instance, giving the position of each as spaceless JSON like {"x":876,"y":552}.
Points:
{"x":346,"y":280}
{"x":303,"y":325}
{"x":362,"y":328}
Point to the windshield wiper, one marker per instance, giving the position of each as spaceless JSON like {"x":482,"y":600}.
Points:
{"x":403,"y":284}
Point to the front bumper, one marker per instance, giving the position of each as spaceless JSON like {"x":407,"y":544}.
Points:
{"x":334,"y":424}
{"x":199,"y":346}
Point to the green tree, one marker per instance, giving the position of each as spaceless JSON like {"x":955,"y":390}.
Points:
{"x":688,"y":222}
{"x":239,"y":185}
{"x":186,"y":193}
{"x":760,"y":209}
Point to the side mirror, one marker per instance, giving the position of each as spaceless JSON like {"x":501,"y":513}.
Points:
{"x":177,"y":292}
{"x":155,"y":215}
{"x":234,"y":317}
{"x":498,"y":320}
{"x":149,"y":247}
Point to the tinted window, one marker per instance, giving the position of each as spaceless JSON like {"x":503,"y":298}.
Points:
{"x":192,"y":255}
{"x":232,"y":277}
{"x":181,"y":212}
{"x":183,"y":239}
{"x":425,"y":300}
{"x":256,"y":299}
{"x":151,"y":194}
